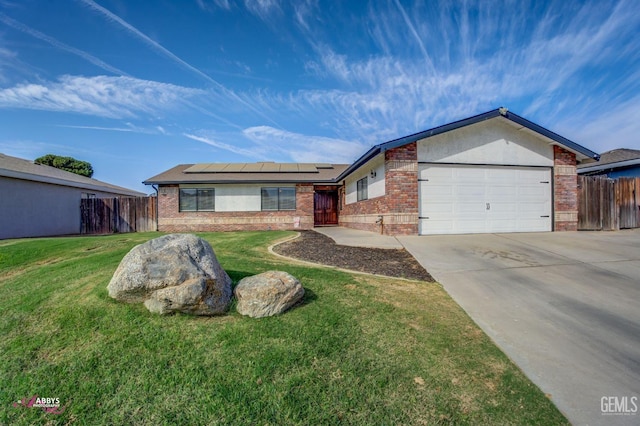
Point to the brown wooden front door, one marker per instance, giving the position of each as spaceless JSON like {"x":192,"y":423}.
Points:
{"x":325,"y":208}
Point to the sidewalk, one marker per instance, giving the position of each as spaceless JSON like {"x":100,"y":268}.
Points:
{"x":356,"y":238}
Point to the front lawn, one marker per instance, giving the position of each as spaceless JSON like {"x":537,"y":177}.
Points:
{"x":359,"y":350}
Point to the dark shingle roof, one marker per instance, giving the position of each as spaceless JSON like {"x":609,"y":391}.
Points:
{"x":502,"y":113}
{"x":616,"y":156}
{"x":19,"y":168}
{"x":248,"y":173}
{"x":621,"y":158}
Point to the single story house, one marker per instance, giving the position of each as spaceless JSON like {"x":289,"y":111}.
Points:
{"x":493,"y":172}
{"x":37,"y":200}
{"x":616,"y":163}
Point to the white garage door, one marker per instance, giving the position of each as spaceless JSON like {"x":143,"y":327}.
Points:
{"x":483,"y":199}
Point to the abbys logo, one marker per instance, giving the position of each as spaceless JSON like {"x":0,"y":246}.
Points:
{"x":619,"y":405}
{"x":49,"y":405}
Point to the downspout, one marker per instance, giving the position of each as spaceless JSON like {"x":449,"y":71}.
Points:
{"x":380,"y":222}
{"x":157,"y":205}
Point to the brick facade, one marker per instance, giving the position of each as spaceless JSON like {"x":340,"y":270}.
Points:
{"x":171,"y":219}
{"x":398,"y":208}
{"x":565,"y":190}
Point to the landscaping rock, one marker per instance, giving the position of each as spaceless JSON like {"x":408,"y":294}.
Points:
{"x":267,"y":294}
{"x":173,"y":273}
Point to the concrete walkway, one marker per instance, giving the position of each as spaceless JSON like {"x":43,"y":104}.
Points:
{"x":356,"y":238}
{"x":564,"y":306}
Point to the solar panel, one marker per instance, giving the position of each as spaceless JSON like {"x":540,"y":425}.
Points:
{"x":288,"y":167}
{"x":260,"y":167}
{"x":233,"y":168}
{"x":270,"y":167}
{"x":252,"y":168}
{"x":196,"y":168}
{"x":307,"y":168}
{"x":215,"y":167}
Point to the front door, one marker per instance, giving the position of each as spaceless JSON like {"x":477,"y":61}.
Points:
{"x":325,"y":208}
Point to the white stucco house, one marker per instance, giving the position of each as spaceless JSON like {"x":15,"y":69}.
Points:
{"x":493,"y":172}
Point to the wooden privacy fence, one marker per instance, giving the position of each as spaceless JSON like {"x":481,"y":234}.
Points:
{"x":608,"y":204}
{"x":109,"y":215}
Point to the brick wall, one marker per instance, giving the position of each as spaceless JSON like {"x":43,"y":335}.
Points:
{"x":399,"y":206}
{"x":170,"y":219}
{"x":565,"y":190}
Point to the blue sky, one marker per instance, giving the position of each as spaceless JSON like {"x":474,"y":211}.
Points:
{"x":138,"y":87}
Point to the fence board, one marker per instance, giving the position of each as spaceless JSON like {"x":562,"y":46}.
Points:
{"x":126,"y":214}
{"x":589,"y":204}
{"x":626,"y":199}
{"x":606,"y":204}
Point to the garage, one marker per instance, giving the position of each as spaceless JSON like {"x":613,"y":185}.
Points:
{"x":470,"y":199}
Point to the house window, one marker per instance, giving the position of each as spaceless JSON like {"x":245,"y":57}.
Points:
{"x":278,"y":198}
{"x":197,"y":200}
{"x":362,"y":189}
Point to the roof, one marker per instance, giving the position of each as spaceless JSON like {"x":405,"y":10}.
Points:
{"x":249,"y":173}
{"x":332,"y":173}
{"x":615,"y":159}
{"x":501,"y":113}
{"x":18,"y":168}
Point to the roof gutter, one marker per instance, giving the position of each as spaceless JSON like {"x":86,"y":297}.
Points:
{"x":609,"y":166}
{"x":498,"y":112}
{"x":359,"y":162}
{"x":572,"y":146}
{"x":63,"y":182}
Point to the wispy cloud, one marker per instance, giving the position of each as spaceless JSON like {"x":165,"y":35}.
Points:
{"x":150,"y":42}
{"x":223,"y":146}
{"x":303,"y":11}
{"x":304,"y":148}
{"x":7,"y":60}
{"x":263,"y":9}
{"x":173,"y":57}
{"x":131,"y":128}
{"x":29,"y":149}
{"x":59,"y":45}
{"x":114,"y":97}
{"x":416,"y":37}
{"x":205,"y":5}
{"x":474,"y":58}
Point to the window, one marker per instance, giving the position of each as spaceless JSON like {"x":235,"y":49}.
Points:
{"x":279,"y":198}
{"x":362,"y":189}
{"x":196,"y":199}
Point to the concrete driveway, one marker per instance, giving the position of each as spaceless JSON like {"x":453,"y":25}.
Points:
{"x":565,"y":306}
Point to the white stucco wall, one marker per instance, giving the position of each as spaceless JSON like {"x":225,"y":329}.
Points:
{"x":494,"y":141}
{"x":238,"y":197}
{"x":36,"y":209}
{"x":376,"y":185}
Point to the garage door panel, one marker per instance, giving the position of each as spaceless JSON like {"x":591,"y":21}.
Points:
{"x":477,"y":199}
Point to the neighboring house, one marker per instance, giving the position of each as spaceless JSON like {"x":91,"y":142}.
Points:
{"x":617,"y":163}
{"x":37,"y":200}
{"x":494,"y":172}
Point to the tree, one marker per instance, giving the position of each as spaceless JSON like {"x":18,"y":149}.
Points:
{"x":68,"y":164}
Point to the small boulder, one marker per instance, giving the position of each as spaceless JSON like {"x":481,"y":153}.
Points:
{"x":267,"y":294}
{"x":173,"y":273}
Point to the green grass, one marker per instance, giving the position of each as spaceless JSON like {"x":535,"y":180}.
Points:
{"x":359,"y":350}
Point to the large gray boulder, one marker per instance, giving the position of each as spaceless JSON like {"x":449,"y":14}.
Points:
{"x":173,"y":273}
{"x":267,"y":294}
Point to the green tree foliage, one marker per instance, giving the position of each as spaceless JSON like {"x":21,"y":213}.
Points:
{"x":68,"y":164}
